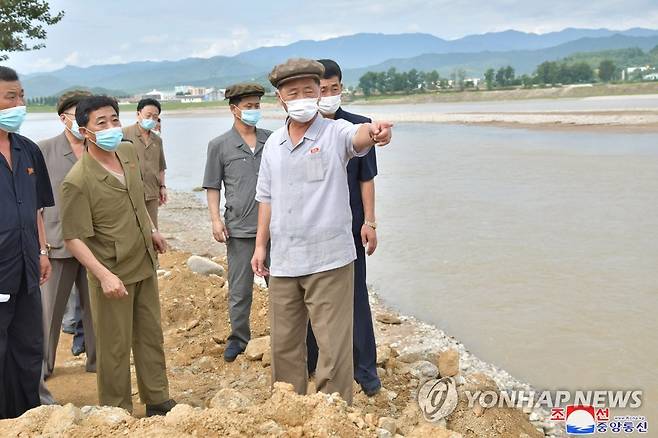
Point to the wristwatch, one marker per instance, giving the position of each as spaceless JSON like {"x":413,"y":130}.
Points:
{"x":372,"y":225}
{"x":44,"y":252}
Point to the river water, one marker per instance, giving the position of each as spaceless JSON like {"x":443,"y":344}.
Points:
{"x":537,"y":249}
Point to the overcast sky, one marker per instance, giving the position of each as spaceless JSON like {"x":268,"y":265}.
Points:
{"x":118,"y":31}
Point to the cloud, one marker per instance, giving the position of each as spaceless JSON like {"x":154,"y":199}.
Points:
{"x":206,"y":28}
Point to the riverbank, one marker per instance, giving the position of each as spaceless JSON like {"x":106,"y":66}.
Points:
{"x":563,"y":92}
{"x":219,"y":398}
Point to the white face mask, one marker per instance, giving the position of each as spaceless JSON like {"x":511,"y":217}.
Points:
{"x":329,"y":104}
{"x":302,"y":110}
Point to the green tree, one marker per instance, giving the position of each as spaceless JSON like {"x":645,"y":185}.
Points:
{"x":582,"y":72}
{"x":509,"y":75}
{"x":500,"y":77}
{"x":489,"y":78}
{"x":432,"y":79}
{"x":368,"y":83}
{"x":547,"y":72}
{"x":22,"y":25}
{"x":607,"y":70}
{"x":413,"y":80}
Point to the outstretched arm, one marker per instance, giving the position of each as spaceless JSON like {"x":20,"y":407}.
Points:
{"x":370,"y":134}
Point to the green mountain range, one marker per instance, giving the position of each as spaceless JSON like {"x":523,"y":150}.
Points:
{"x":356,"y":53}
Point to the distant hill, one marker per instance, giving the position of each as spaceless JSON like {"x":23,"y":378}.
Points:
{"x":356,"y":53}
{"x":523,"y":61}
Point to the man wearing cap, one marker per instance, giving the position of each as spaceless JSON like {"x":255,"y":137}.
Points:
{"x":361,"y":172}
{"x":304,"y":208}
{"x":234,"y":160}
{"x":151,"y":154}
{"x":61,"y":153}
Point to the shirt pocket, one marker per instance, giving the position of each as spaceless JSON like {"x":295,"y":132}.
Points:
{"x":315,"y":167}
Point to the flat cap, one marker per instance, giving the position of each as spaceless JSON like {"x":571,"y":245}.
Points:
{"x":295,"y":68}
{"x":244,"y":89}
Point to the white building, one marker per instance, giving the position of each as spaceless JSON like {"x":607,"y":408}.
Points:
{"x":628,"y":71}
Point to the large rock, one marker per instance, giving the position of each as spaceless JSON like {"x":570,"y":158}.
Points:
{"x":204,"y":266}
{"x":62,"y":419}
{"x":449,"y":363}
{"x":103,"y":415}
{"x":229,"y":398}
{"x":384,"y":353}
{"x":424,"y":370}
{"x":387,"y":423}
{"x":257,"y":347}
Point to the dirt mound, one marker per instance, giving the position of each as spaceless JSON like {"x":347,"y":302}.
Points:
{"x":235,"y":399}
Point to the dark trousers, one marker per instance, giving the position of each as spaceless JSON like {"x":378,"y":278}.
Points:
{"x":21,"y":352}
{"x":364,"y":348}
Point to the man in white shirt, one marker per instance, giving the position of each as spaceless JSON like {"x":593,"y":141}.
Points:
{"x":304,"y":209}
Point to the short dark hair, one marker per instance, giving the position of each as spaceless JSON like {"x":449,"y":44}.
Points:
{"x":70,"y":99}
{"x":92,"y":103}
{"x":331,"y":69}
{"x":235,"y":100}
{"x":8,"y":74}
{"x":148,"y":101}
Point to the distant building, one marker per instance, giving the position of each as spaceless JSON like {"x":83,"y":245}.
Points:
{"x":153,"y":94}
{"x":628,"y":71}
{"x":651,"y":77}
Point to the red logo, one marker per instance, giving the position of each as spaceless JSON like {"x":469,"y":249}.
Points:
{"x":557,"y":414}
{"x":315,"y":150}
{"x":603,"y":414}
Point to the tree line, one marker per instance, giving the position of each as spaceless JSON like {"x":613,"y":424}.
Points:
{"x":547,"y":73}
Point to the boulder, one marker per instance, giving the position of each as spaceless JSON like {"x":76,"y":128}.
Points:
{"x":424,"y":370}
{"x":103,"y":415}
{"x":229,"y":398}
{"x":204,"y":266}
{"x":257,"y":347}
{"x":62,"y":419}
{"x":448,"y":363}
{"x":387,"y":423}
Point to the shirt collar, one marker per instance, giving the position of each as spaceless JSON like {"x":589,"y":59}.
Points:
{"x":312,"y":132}
{"x":67,"y":149}
{"x":14,"y":141}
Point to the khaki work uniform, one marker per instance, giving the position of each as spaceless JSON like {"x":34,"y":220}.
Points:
{"x":151,"y":163}
{"x":232,"y":163}
{"x":66,"y":270}
{"x":111,"y":219}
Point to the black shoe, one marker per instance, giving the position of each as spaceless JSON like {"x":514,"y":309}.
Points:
{"x":372,"y":389}
{"x":77,"y":350}
{"x":232,"y":351}
{"x":160,"y":409}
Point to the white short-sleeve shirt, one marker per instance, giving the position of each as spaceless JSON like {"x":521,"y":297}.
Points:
{"x":306,"y":185}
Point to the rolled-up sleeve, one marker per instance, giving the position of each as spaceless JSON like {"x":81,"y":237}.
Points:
{"x":212,"y":178}
{"x":75,"y":213}
{"x":264,"y":184}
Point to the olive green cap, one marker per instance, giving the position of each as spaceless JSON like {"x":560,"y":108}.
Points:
{"x":295,"y":68}
{"x":244,"y":89}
